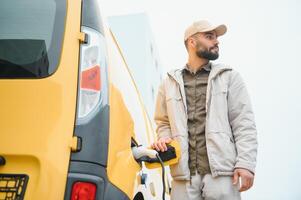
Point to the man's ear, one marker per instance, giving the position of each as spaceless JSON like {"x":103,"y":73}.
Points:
{"x":191,"y":42}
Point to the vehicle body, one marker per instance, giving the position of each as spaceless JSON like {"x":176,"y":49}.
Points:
{"x":69,"y":107}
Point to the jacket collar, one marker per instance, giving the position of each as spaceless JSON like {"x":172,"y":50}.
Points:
{"x":206,"y":67}
{"x":177,"y":75}
{"x":215,"y":70}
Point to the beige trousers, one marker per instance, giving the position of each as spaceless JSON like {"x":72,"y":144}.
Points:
{"x":205,"y":188}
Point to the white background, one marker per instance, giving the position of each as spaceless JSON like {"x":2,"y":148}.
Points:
{"x":262,"y":44}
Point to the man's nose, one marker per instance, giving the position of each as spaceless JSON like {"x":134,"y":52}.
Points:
{"x":216,"y":42}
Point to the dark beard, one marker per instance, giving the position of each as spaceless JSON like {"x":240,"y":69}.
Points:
{"x":207,"y":54}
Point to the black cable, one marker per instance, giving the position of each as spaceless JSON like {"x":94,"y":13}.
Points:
{"x":163,"y":176}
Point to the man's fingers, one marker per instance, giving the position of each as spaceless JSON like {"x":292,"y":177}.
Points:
{"x":161,"y":146}
{"x":246,"y":178}
{"x":244,"y":187}
{"x":166,"y":141}
{"x":251,"y":182}
{"x":246,"y":183}
{"x":235,"y":177}
{"x":155,"y":146}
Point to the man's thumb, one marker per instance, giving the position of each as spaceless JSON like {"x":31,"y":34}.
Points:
{"x":235,"y":177}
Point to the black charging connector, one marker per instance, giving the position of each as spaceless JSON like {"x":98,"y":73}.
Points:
{"x":169,"y":154}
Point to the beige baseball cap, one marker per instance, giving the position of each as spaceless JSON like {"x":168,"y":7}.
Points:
{"x":204,"y":26}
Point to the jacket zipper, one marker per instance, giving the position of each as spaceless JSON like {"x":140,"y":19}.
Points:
{"x":207,"y":111}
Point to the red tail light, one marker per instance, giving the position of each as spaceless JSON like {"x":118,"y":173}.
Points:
{"x":91,"y":79}
{"x":93,"y":85}
{"x":83,"y":191}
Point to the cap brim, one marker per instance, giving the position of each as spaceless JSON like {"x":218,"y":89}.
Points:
{"x":220,"y":30}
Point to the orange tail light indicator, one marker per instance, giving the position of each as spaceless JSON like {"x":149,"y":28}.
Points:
{"x":90,"y":78}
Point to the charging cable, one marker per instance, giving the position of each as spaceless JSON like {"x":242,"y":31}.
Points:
{"x":163,"y":175}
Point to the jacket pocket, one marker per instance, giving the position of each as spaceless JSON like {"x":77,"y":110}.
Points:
{"x":180,"y":171}
{"x":219,"y":91}
{"x":176,"y":114}
{"x":217,"y":114}
{"x":221,"y":151}
{"x":173,"y":94}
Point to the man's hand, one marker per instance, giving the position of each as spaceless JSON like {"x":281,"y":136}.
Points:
{"x":160,"y":145}
{"x":246,"y":176}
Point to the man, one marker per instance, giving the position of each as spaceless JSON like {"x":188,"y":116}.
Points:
{"x":206,"y":108}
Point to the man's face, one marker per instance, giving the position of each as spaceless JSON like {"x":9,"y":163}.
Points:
{"x":206,"y":45}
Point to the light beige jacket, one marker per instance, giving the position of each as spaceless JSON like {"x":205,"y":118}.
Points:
{"x":231,"y":135}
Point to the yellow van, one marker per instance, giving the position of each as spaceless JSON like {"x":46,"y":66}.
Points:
{"x":70,"y":109}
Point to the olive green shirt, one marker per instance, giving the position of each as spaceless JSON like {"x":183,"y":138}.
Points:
{"x":195,"y":84}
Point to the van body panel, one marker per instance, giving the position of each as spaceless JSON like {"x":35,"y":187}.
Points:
{"x":127,"y":120}
{"x":37,"y":119}
{"x":38,"y":123}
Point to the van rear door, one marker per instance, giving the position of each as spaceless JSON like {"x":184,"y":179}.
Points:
{"x":39,"y":51}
